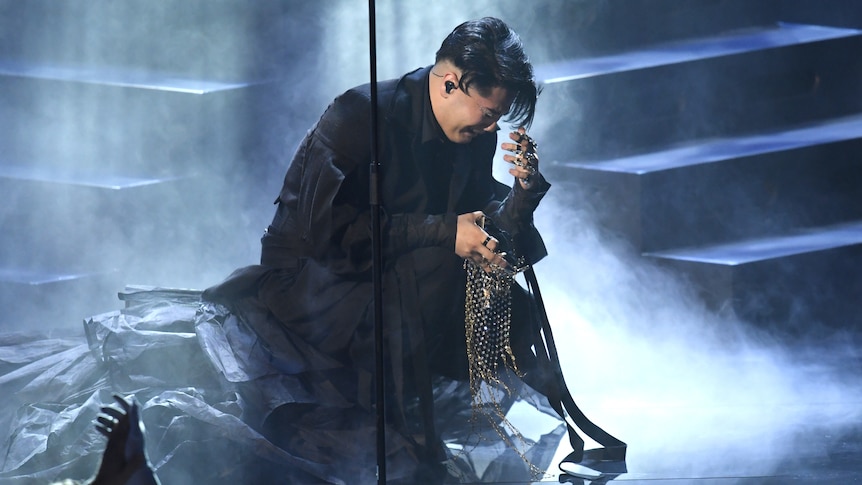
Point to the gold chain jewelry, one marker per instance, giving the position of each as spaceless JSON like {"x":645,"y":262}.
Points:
{"x":488,"y":315}
{"x":488,"y":324}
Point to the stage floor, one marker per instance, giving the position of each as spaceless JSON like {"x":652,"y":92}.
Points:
{"x":802,"y":427}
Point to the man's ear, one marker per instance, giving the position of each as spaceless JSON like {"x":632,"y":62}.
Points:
{"x":449,"y":84}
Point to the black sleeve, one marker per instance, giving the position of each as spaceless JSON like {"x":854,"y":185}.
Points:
{"x":328,"y":185}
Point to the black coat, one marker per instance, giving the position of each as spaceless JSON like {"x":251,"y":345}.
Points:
{"x":309,"y":300}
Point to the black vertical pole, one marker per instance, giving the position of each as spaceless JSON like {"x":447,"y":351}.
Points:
{"x":377,"y":256}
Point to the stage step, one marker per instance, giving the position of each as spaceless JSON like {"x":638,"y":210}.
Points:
{"x":71,"y":177}
{"x":141,"y":225}
{"x":717,"y":150}
{"x":722,"y":190}
{"x":122,"y":127}
{"x":800,"y":281}
{"x":740,"y":82}
{"x":116,"y":77}
{"x":769,"y":248}
{"x":606,"y":27}
{"x":688,"y":50}
{"x":58,"y":298}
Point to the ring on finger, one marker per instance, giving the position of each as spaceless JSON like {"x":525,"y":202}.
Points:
{"x":526,"y":165}
{"x":485,"y":242}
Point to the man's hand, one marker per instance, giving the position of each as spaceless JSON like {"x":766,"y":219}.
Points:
{"x":524,"y":158}
{"x":473,"y":243}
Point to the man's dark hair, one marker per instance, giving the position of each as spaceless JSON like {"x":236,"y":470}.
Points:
{"x":490,"y":54}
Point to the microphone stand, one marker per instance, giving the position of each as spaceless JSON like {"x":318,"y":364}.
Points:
{"x":377,"y":256}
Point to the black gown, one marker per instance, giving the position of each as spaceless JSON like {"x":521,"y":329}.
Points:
{"x":310,"y":298}
{"x":270,"y":373}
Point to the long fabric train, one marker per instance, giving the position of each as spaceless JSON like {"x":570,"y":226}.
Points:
{"x":203,"y":378}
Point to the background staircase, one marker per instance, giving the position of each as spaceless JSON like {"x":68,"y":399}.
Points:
{"x":142,"y":142}
{"x":732,"y":155}
{"x":127,"y":140}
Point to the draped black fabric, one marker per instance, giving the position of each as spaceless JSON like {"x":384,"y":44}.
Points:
{"x":273,"y":368}
{"x":312,"y":291}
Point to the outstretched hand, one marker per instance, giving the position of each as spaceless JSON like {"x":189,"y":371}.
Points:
{"x":124,"y":461}
{"x":473,"y":243}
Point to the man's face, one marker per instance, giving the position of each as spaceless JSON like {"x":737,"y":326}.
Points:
{"x":466,"y":115}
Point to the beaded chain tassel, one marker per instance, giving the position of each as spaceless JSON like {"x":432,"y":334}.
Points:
{"x":488,"y":317}
{"x":488,"y":322}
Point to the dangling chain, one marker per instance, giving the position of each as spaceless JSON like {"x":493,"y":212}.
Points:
{"x":488,"y":323}
{"x":488,"y":318}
